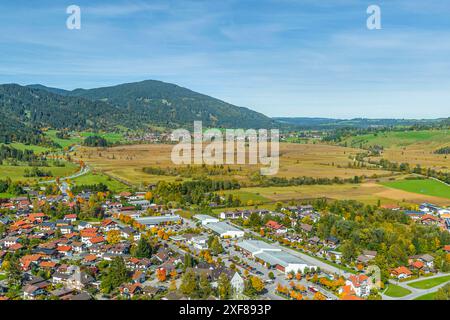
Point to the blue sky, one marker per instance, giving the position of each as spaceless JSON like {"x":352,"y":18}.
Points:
{"x":279,"y":57}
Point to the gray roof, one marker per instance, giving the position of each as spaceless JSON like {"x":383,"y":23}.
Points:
{"x":254,"y":246}
{"x":158,"y":219}
{"x":279,"y":258}
{"x":221,"y":227}
{"x":202,"y":217}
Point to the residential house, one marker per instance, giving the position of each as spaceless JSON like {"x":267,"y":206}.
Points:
{"x":401,"y":272}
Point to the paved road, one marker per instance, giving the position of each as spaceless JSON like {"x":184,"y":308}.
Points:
{"x":82,"y":172}
{"x":415,"y":293}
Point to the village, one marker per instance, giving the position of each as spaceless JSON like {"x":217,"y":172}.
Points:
{"x":135,"y":249}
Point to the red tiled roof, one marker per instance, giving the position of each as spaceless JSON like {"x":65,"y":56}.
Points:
{"x":273,"y":224}
{"x":417,"y":264}
{"x":97,"y":240}
{"x":402,"y":270}
{"x":64,"y":248}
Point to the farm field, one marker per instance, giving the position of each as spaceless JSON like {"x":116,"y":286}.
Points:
{"x":368,"y":193}
{"x":312,"y":160}
{"x":16,"y":173}
{"x":429,"y":283}
{"x":78,"y":138}
{"x":413,"y":147}
{"x":34,"y":148}
{"x":95,"y":178}
{"x":401,"y":138}
{"x":422,"y":186}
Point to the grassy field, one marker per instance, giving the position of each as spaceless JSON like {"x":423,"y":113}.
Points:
{"x":95,"y":178}
{"x":312,"y":160}
{"x":247,"y":196}
{"x":428,"y":296}
{"x":34,"y":148}
{"x":413,"y":147}
{"x":396,"y":291}
{"x":400,"y":138}
{"x":429,"y":283}
{"x":16,"y":173}
{"x":77,"y":138}
{"x":424,"y":186}
{"x":368,"y":193}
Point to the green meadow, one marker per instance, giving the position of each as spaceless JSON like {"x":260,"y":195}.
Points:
{"x":16,"y":173}
{"x":400,"y":138}
{"x":77,"y":138}
{"x":96,"y":178}
{"x":422,"y":186}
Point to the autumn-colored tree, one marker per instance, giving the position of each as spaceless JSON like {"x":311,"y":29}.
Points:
{"x":257,"y":284}
{"x":161,"y":274}
{"x":318,"y":296}
{"x":148,"y":196}
{"x":298,"y":276}
{"x":173,"y":274}
{"x":113,"y":236}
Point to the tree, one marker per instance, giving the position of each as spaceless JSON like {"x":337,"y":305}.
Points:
{"x":113,"y":237}
{"x":116,"y":275}
{"x":188,"y":282}
{"x":216,"y":246}
{"x":257,"y":284}
{"x":443,"y":293}
{"x":14,"y":273}
{"x":173,"y":285}
{"x":224,"y":287}
{"x":204,"y":286}
{"x":143,"y":249}
{"x":271,"y":275}
{"x":161,"y":274}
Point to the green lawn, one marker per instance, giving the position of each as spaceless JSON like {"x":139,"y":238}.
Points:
{"x":95,"y":178}
{"x":396,"y":291}
{"x":425,"y":186}
{"x":428,"y":296}
{"x":429,"y":283}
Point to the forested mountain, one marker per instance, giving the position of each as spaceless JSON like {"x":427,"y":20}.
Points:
{"x":170,"y":105}
{"x":24,"y":111}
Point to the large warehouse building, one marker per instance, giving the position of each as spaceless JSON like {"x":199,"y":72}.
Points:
{"x":225,"y":230}
{"x":159,"y":220}
{"x":273,"y":257}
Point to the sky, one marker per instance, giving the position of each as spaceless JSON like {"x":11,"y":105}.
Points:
{"x":297,"y":58}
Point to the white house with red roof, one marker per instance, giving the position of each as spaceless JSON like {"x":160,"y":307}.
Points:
{"x":360,"y":284}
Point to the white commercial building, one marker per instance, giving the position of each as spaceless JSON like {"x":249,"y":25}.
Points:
{"x":273,"y":257}
{"x":205,"y":219}
{"x":225,"y":230}
{"x":158,"y":220}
